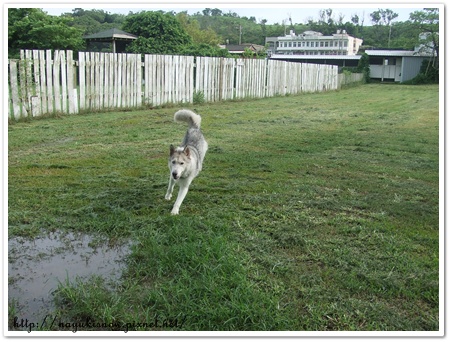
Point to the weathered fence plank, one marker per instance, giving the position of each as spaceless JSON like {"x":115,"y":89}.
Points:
{"x":49,"y":66}
{"x":24,"y":98}
{"x":63,"y":65}
{"x":14,"y":90}
{"x":82,"y":79}
{"x":70,"y":84}
{"x":56,"y":81}
{"x":36,"y":87}
{"x":43,"y":82}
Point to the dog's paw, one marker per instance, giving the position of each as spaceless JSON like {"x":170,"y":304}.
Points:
{"x":174,"y":211}
{"x":168,"y":197}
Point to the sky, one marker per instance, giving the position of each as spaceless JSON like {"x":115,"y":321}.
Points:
{"x":300,"y":12}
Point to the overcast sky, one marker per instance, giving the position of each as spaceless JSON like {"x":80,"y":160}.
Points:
{"x":273,"y":13}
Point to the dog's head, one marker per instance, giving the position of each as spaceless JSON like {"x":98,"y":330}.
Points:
{"x":179,"y":159}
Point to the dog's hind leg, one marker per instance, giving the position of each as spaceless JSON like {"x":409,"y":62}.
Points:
{"x":184,"y":187}
{"x":170,"y":188}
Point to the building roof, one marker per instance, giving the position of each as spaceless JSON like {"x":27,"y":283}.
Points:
{"x":241,"y":48}
{"x":394,"y":53}
{"x":111,"y":34}
{"x":329,"y":57}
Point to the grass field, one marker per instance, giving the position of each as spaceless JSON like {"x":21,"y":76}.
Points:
{"x":312,"y":212}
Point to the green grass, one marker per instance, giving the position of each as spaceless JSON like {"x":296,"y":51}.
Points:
{"x":313,"y":212}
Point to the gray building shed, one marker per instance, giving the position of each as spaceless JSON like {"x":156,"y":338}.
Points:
{"x":395,"y":65}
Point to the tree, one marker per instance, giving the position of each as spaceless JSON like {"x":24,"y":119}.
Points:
{"x":427,"y":21}
{"x":383,"y":18}
{"x":199,"y":36}
{"x":216,"y":12}
{"x":326,"y":24}
{"x":157,"y":33}
{"x":32,"y":28}
{"x":93,"y":21}
{"x":375,"y":17}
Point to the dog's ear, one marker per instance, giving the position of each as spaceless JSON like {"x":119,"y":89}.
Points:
{"x":187,"y":151}
{"x":172,"y":149}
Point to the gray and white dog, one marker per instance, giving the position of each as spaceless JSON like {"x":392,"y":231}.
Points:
{"x":185,"y":161}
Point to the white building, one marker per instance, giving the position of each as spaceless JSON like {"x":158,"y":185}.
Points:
{"x":314,"y":43}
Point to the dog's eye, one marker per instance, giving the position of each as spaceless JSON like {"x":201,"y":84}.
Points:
{"x":173,"y":162}
{"x":182,"y":163}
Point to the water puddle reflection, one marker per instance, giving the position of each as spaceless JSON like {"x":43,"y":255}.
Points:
{"x":35,"y":268}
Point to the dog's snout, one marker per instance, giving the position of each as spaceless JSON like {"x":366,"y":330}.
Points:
{"x":174,"y":175}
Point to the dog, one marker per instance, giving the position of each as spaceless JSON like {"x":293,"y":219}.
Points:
{"x":186,"y":161}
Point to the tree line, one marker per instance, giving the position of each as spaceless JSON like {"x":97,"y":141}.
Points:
{"x":200,"y":34}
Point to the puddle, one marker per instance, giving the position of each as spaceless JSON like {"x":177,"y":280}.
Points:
{"x":35,"y":268}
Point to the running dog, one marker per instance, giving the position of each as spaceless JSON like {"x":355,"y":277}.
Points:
{"x":185,"y":161}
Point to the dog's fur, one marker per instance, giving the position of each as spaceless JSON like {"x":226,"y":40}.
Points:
{"x":185,"y":161}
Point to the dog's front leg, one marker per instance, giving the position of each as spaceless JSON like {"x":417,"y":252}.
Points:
{"x":184,"y":187}
{"x":170,"y":188}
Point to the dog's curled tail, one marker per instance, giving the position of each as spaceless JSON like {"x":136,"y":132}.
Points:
{"x":186,"y":115}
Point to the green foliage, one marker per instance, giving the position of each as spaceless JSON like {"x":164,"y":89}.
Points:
{"x":204,"y":50}
{"x":199,"y":36}
{"x":93,"y":21}
{"x":31,"y":28}
{"x":364,"y":67}
{"x":199,"y":97}
{"x":230,"y":26}
{"x":157,"y":32}
{"x":248,"y":53}
{"x":164,"y":33}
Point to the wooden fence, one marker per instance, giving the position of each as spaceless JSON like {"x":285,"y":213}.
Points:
{"x":42,"y":83}
{"x":349,"y":78}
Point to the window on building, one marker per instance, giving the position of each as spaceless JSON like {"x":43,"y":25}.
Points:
{"x":376,"y":61}
{"x":390,"y":61}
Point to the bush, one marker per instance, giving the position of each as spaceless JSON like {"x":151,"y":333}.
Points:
{"x":199,"y":97}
